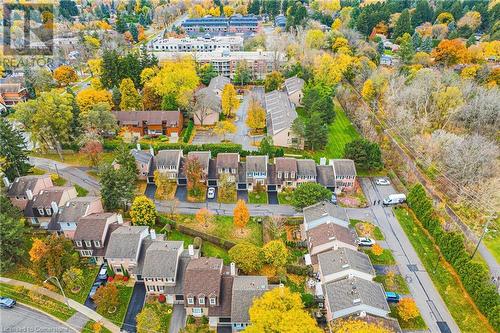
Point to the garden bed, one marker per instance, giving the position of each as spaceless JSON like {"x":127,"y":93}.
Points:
{"x":89,"y":274}
{"x":168,"y":194}
{"x":398,"y":283}
{"x":202,"y":197}
{"x":285,"y":198}
{"x":353,"y":199}
{"x":384,"y":259}
{"x":364,"y":229}
{"x":89,"y":327}
{"x":162,"y":310}
{"x":124,"y":295}
{"x":415,"y":324}
{"x":257,"y":197}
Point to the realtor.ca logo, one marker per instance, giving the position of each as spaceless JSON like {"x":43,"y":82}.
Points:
{"x":28,"y":29}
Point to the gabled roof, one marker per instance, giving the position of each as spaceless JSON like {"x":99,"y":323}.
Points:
{"x":285,"y":164}
{"x":306,"y":168}
{"x":142,"y":156}
{"x":135,"y":118}
{"x":202,"y":156}
{"x":203,"y":277}
{"x":223,"y":309}
{"x":210,"y":99}
{"x":293,"y":84}
{"x":326,"y":176}
{"x":51,"y":194}
{"x":280,"y":112}
{"x":328,"y":232}
{"x":344,"y":167}
{"x":166,"y":158}
{"x":228,"y":160}
{"x":245,"y":290}
{"x":124,"y":242}
{"x":218,"y":83}
{"x":92,"y":227}
{"x":21,"y":184}
{"x":325,"y":208}
{"x":75,"y":208}
{"x":256,"y":163}
{"x":161,"y":259}
{"x":343,"y":259}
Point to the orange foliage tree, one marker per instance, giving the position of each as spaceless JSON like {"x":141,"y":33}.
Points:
{"x":241,"y":214}
{"x":451,"y":52}
{"x":65,"y":75}
{"x":204,"y":217}
{"x":377,"y":250}
{"x":407,"y":309}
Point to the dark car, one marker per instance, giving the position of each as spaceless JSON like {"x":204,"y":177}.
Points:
{"x":392,"y":297}
{"x":6,"y":302}
{"x":94,"y":288}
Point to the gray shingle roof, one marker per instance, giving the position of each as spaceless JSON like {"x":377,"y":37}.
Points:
{"x":210,"y":99}
{"x":348,"y":293}
{"x":75,"y":209}
{"x":202,"y":156}
{"x":293,"y":84}
{"x":256,"y":163}
{"x":322,"y":209}
{"x":219,"y":82}
{"x":19,"y":186}
{"x":328,"y":232}
{"x":287,"y":164}
{"x":344,"y":167}
{"x":161,"y":259}
{"x":124,"y":242}
{"x":245,"y":290}
{"x":168,"y":158}
{"x":143,"y":156}
{"x":306,"y":168}
{"x":280,"y":112}
{"x":335,"y":261}
{"x":91,"y":227}
{"x":227,"y":160}
{"x":326,"y":176}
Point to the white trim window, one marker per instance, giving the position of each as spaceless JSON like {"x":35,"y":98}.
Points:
{"x":86,"y":253}
{"x":48,"y":210}
{"x":97,"y":243}
{"x":41,"y":211}
{"x":78,"y":243}
{"x":213,"y":301}
{"x":88,"y":243}
{"x":190,"y":300}
{"x":201,"y":300}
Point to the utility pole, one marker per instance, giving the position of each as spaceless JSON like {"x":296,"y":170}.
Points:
{"x":485,"y":230}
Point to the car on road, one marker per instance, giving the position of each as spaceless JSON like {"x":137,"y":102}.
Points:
{"x":382,"y":181}
{"x":94,"y":288}
{"x":365,"y":241}
{"x":103,"y":272}
{"x":392,"y":297}
{"x":333,"y":199}
{"x":6,"y":302}
{"x":211,"y":193}
{"x":394,"y":199}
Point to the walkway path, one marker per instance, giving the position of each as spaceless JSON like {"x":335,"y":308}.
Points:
{"x":73,"y":304}
{"x":241,"y":136}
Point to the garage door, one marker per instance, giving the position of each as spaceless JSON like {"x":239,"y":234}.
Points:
{"x":212,"y":183}
{"x":272,"y":188}
{"x":182,"y":181}
{"x":242,"y":186}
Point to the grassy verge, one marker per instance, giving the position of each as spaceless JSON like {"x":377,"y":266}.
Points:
{"x":285,"y":198}
{"x":80,"y":190}
{"x":363,"y":228}
{"x":201,"y":197}
{"x":89,"y":327}
{"x":124,"y":295}
{"x":41,"y":302}
{"x":75,"y":159}
{"x":398,"y":284}
{"x":58,"y":181}
{"x":385,"y":258}
{"x":257,"y":197}
{"x":89,"y":274}
{"x":461,"y":307}
{"x":208,"y":249}
{"x":163,"y":312}
{"x":230,"y":197}
{"x":37,"y":171}
{"x":20,"y":273}
{"x":416,"y":324}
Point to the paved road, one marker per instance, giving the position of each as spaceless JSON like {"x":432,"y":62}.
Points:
{"x":68,"y":172}
{"x":241,"y":136}
{"x":24,"y":319}
{"x":178,"y":320}
{"x":430,"y":303}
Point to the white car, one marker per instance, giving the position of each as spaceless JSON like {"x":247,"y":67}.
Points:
{"x":365,"y":241}
{"x":382,"y":181}
{"x":211,"y":193}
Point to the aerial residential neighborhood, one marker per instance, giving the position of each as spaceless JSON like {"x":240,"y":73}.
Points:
{"x":257,"y":166}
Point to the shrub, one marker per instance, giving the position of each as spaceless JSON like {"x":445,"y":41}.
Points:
{"x":204,"y":320}
{"x":197,"y":242}
{"x":190,"y":320}
{"x":125,"y":278}
{"x":187,"y":133}
{"x":298,"y":269}
{"x":110,"y":279}
{"x":162,"y":298}
{"x":377,"y":250}
{"x":308,"y":300}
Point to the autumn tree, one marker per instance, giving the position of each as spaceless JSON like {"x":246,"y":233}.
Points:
{"x":377,"y":250}
{"x":276,"y":253}
{"x":359,"y":326}
{"x":73,"y":279}
{"x":226,"y":189}
{"x":307,"y":194}
{"x":99,"y":120}
{"x":280,"y":310}
{"x":256,"y":116}
{"x":52,"y":256}
{"x":242,"y":73}
{"x":224,"y":127}
{"x":64,"y":75}
{"x":14,"y":150}
{"x":150,"y":99}
{"x":143,"y":211}
{"x":206,"y":72}
{"x":315,"y":39}
{"x":451,"y":52}
{"x":194,"y":174}
{"x":230,"y":101}
{"x":148,"y":321}
{"x":228,"y":11}
{"x":89,"y":97}
{"x":106,"y":298}
{"x":204,"y":217}
{"x":273,"y":81}
{"x":130,"y":98}
{"x":407,"y":309}
{"x":93,"y":149}
{"x":247,"y":257}
{"x":241,"y":215}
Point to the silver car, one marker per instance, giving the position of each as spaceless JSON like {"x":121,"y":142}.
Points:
{"x":382,"y":181}
{"x":211,"y":193}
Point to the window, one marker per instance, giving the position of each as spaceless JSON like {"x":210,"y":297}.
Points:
{"x":86,"y":253}
{"x":151,"y":288}
{"x":78,"y":243}
{"x":191,"y":300}
{"x":97,"y":243}
{"x":68,"y":224}
{"x":212,"y":301}
{"x":49,"y":211}
{"x":118,"y":269}
{"x":201,"y":300}
{"x":197,"y":311}
{"x":279,"y":175}
{"x":286,"y":174}
{"x":41,"y":211}
{"x":88,"y":243}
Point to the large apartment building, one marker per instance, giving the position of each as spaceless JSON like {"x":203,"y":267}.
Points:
{"x":233,"y":24}
{"x":198,"y":44}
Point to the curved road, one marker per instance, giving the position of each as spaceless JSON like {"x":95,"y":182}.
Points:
{"x":24,"y":319}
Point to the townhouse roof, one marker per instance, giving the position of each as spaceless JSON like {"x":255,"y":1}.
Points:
{"x":52,"y":194}
{"x":328,"y":232}
{"x":179,"y":279}
{"x":11,"y":87}
{"x":326,"y":175}
{"x":166,"y":158}
{"x":203,"y":277}
{"x":285,"y":164}
{"x":242,"y":172}
{"x":293,"y":84}
{"x":344,"y":167}
{"x":143,"y":156}
{"x":92,"y":227}
{"x":75,"y":209}
{"x":21,"y":184}
{"x":219,"y":82}
{"x":212,"y":168}
{"x":271,"y":174}
{"x":124,"y":242}
{"x":322,"y":209}
{"x":280,"y":112}
{"x":306,"y":168}
{"x":223,"y":309}
{"x":161,"y":259}
{"x":202,"y":156}
{"x":348,"y":293}
{"x":343,"y":259}
{"x":136,"y":118}
{"x":245,"y":290}
{"x":228,"y":160}
{"x":256,"y":163}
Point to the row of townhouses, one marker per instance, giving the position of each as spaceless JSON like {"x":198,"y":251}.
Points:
{"x":346,"y":286}
{"x":205,"y":43}
{"x":214,"y":24}
{"x":273,"y":175}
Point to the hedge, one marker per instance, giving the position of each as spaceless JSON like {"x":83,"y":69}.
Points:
{"x":187,"y":133}
{"x":474,"y":276}
{"x":298,"y":269}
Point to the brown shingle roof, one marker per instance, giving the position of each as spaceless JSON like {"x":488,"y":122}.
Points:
{"x":328,"y":232}
{"x":285,"y":164}
{"x":47,"y":196}
{"x":225,"y":298}
{"x":91,"y":227}
{"x":228,"y":160}
{"x":203,"y":277}
{"x":21,"y":184}
{"x":171,"y":118}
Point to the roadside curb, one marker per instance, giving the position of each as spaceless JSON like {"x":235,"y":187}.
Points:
{"x":49,"y":315}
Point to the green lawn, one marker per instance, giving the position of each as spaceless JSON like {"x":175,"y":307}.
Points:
{"x":163,"y":311}
{"x":492,"y":242}
{"x":44,"y":303}
{"x":76,"y":159}
{"x":399,"y":284}
{"x":80,"y":190}
{"x":357,"y":224}
{"x":416,"y":324}
{"x":285,"y":198}
{"x":20,"y":273}
{"x":89,"y":327}
{"x":58,"y":181}
{"x":37,"y":171}
{"x":385,"y":258}
{"x":463,"y":310}
{"x":89,"y":274}
{"x":124,"y":295}
{"x":257,"y":197}
{"x":208,"y":249}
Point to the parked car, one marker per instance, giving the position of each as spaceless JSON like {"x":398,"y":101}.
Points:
{"x":211,"y":193}
{"x":103,"y":272}
{"x":365,"y":241}
{"x":333,"y":199}
{"x":6,"y":302}
{"x":392,"y":297}
{"x":382,"y":181}
{"x":394,"y":199}
{"x":94,"y":288}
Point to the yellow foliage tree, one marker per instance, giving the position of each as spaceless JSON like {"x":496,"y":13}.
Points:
{"x":359,"y":326}
{"x":329,"y":70}
{"x":95,"y":66}
{"x":224,"y":127}
{"x":143,"y":211}
{"x":451,"y":52}
{"x":65,"y":75}
{"x":377,"y":250}
{"x":230,"y":101}
{"x":204,"y":217}
{"x":228,"y":11}
{"x":315,"y":38}
{"x":407,"y":309}
{"x":256,"y":115}
{"x":470,"y":72}
{"x":130,"y":99}
{"x":241,"y":214}
{"x":368,"y":92}
{"x":38,"y":250}
{"x":337,"y":24}
{"x":214,"y":11}
{"x":89,"y":97}
{"x":471,"y":19}
{"x":197,"y":11}
{"x":327,"y":6}
{"x":91,"y":42}
{"x":445,"y":18}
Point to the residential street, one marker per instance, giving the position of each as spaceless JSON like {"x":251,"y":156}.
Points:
{"x":24,"y":319}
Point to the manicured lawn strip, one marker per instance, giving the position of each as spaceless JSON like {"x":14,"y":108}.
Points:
{"x":59,"y":181}
{"x":89,"y":328}
{"x":80,"y":190}
{"x":385,"y":258}
{"x":37,"y":171}
{"x":208,"y":249}
{"x":229,"y":200}
{"x":202,"y":197}
{"x":417,"y":323}
{"x":284,"y":198}
{"x":76,"y":159}
{"x":94,"y":174}
{"x":377,"y":233}
{"x":163,"y":311}
{"x":89,"y":274}
{"x":400,"y":286}
{"x":462,"y":309}
{"x":257,"y":197}
{"x":44,"y":303}
{"x":124,"y":295}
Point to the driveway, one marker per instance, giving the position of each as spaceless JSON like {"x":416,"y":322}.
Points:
{"x":272,"y":198}
{"x":205,"y":137}
{"x":178,"y":320}
{"x":214,"y":199}
{"x":23,"y":319}
{"x":134,"y":307}
{"x":181,"y":193}
{"x":241,"y":136}
{"x":150,"y":191}
{"x":242,"y":195}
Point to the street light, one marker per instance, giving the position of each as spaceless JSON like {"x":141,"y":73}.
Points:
{"x":60,"y":287}
{"x":485,"y":230}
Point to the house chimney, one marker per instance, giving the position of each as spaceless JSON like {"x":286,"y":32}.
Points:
{"x":151,"y":150}
{"x":138,"y":146}
{"x":322,"y":161}
{"x":330,"y":162}
{"x":29,"y":194}
{"x":335,"y":246}
{"x":55,"y":208}
{"x":233,"y":269}
{"x":152,"y":232}
{"x":119,"y":218}
{"x":191,"y":250}
{"x":6,"y":182}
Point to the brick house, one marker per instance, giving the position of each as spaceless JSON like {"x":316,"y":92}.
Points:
{"x":46,"y":204}
{"x":68,"y":216}
{"x":24,"y":188}
{"x":152,"y":123}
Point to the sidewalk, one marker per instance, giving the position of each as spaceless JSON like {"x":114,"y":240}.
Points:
{"x":75,"y":305}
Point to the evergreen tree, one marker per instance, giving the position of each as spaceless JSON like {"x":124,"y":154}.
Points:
{"x":426,"y":45}
{"x":403,"y":25}
{"x":316,"y":132}
{"x":76,"y":126}
{"x":416,"y":40}
{"x":116,"y":96}
{"x":13,"y":149}
{"x":111,"y":70}
{"x":406,"y":50}
{"x":134,"y":32}
{"x":12,"y":234}
{"x":423,"y":13}
{"x":380,"y":47}
{"x":254,"y":7}
{"x":120,"y":26}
